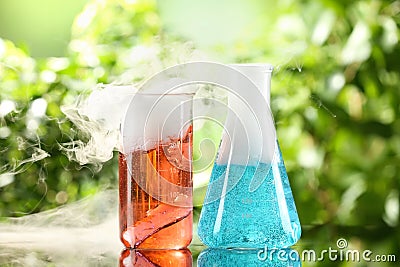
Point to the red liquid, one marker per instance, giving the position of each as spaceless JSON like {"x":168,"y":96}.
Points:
{"x":156,"y":212}
{"x":153,"y":258}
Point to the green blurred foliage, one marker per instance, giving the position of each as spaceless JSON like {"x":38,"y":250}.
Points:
{"x":335,"y":98}
{"x":44,"y":26}
{"x":36,"y":175}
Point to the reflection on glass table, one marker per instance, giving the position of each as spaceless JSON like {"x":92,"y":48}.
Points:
{"x":249,"y":257}
{"x":154,"y":258}
{"x":85,"y":233}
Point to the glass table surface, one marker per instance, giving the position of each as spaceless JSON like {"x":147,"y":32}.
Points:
{"x":320,"y":245}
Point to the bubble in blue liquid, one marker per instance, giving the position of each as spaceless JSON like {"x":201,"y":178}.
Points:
{"x":251,"y":207}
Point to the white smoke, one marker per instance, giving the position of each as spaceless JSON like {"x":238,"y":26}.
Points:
{"x":9,"y":171}
{"x":97,"y":117}
{"x":81,"y":233}
{"x":44,"y":238}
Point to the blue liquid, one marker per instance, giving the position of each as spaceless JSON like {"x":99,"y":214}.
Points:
{"x":249,"y":207}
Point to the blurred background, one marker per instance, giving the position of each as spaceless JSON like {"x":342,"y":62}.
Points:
{"x":335,"y":98}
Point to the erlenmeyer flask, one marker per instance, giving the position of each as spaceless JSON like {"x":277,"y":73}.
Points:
{"x":249,"y":203}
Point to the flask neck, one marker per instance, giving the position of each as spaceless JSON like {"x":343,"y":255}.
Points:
{"x":259,"y":74}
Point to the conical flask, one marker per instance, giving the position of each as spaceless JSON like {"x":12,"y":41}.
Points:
{"x":249,"y":202}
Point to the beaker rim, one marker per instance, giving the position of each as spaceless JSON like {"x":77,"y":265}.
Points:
{"x":164,"y":94}
{"x":264,"y":67}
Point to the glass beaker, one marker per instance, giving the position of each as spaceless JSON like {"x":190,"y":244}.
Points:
{"x":249,"y":203}
{"x":155,"y":172}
